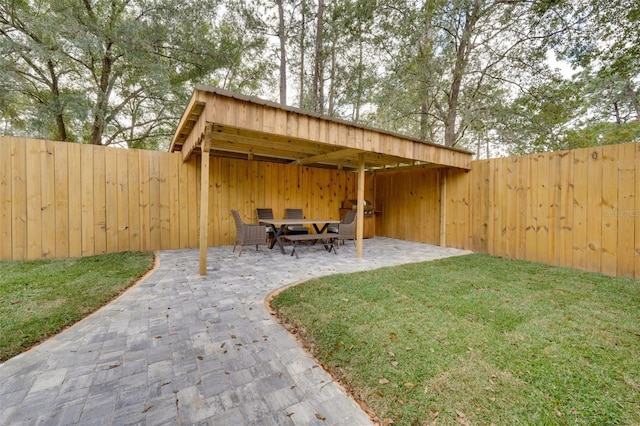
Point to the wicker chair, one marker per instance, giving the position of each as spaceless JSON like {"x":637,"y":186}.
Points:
{"x":266,"y":214}
{"x":346,"y":229}
{"x":247,"y":234}
{"x":295,"y":214}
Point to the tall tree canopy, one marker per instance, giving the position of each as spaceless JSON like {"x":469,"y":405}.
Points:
{"x":117,"y":71}
{"x":468,"y":73}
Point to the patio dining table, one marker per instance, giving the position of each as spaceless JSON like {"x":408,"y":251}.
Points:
{"x":279,"y":225}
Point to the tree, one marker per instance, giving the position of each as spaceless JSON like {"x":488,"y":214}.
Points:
{"x":317,"y":97}
{"x":282,"y":37}
{"x":33,"y":64}
{"x":455,"y":55}
{"x":538,"y":119}
{"x":118,"y":71}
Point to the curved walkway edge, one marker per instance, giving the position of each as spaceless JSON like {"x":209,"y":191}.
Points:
{"x":179,"y":348}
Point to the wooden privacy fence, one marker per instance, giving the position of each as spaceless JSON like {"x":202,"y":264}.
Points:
{"x":62,"y":199}
{"x":576,"y":208}
{"x":68,"y":200}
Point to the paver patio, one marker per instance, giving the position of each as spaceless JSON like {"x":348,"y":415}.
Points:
{"x":180,"y":348}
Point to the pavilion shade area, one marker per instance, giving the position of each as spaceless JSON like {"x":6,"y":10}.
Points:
{"x":241,"y":126}
{"x":246,"y":185}
{"x":409,"y":203}
{"x":222,"y":124}
{"x":423,"y":205}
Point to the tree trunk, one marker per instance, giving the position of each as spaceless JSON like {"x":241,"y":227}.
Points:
{"x":283,"y":54}
{"x":103,"y":100}
{"x":633,"y":96}
{"x":318,"y":79}
{"x":332,"y":88}
{"x":358,"y":100}
{"x":451,"y":133}
{"x":616,"y":112}
{"x":424,"y":122}
{"x":59,"y":108}
{"x":303,"y":7}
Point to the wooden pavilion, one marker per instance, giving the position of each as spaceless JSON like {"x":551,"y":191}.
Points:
{"x":219,"y":123}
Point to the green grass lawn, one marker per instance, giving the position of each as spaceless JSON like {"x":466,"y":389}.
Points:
{"x":477,"y":340}
{"x":40,"y":298}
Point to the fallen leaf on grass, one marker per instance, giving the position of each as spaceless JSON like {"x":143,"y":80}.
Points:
{"x":393,"y":336}
{"x":409,"y":385}
{"x":631,"y":383}
{"x":394,"y":363}
{"x":383,"y":381}
{"x":320,"y":416}
{"x":460,"y":419}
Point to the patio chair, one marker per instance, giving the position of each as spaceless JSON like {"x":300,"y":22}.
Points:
{"x":346,"y":229}
{"x":248,"y":234}
{"x":266,"y":214}
{"x":295,"y":229}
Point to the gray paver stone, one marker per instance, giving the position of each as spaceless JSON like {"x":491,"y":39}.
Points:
{"x":182,"y":348}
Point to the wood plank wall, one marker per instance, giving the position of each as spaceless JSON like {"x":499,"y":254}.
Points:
{"x":570,"y":208}
{"x":61,"y":200}
{"x":409,"y":202}
{"x":247,"y":185}
{"x":577,"y":208}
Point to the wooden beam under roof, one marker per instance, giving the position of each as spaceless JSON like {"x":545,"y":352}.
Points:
{"x":235,"y":136}
{"x":321,"y":158}
{"x":187,"y":123}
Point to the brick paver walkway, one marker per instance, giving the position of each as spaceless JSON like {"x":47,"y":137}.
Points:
{"x":179,"y":348}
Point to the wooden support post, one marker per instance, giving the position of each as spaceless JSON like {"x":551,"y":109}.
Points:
{"x":360,"y":208}
{"x":204,"y":201}
{"x":443,"y":208}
